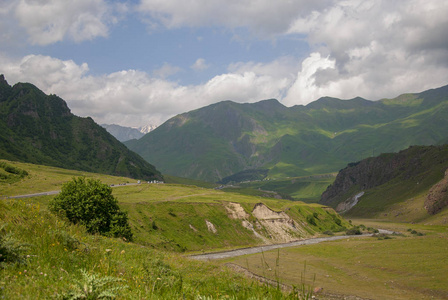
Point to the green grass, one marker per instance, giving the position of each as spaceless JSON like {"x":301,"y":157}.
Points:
{"x":403,"y":267}
{"x":59,"y":253}
{"x":59,"y":259}
{"x":44,"y":178}
{"x":306,"y":188}
{"x":174,"y":216}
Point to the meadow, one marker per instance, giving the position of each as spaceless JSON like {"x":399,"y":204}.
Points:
{"x":409,"y":265}
{"x":46,"y":257}
{"x":54,"y":259}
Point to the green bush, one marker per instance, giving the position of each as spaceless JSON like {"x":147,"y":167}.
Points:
{"x":91,"y":203}
{"x":11,"y":250}
{"x":311,"y":220}
{"x":353,"y":231}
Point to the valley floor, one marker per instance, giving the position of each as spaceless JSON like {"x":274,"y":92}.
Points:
{"x":409,"y":265}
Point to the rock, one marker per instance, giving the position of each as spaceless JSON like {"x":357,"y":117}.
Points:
{"x":437,"y":197}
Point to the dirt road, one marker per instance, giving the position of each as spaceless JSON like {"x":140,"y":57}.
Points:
{"x":252,"y":250}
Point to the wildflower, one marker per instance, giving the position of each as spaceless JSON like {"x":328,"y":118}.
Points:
{"x":122,"y":252}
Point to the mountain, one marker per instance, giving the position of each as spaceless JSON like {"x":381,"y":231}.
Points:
{"x":226,"y":138}
{"x":122,"y":133}
{"x":39,"y":128}
{"x":147,"y":128}
{"x":376,"y":184}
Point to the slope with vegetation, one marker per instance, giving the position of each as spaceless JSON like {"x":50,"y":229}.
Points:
{"x":45,"y":256}
{"x":228,"y":138}
{"x":39,"y":128}
{"x":183,"y":217}
{"x":392,"y":185}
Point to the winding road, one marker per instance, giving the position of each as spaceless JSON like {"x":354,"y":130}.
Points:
{"x":252,"y":250}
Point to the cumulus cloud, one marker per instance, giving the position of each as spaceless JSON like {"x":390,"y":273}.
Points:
{"x":132,"y":97}
{"x":365,"y":48}
{"x":50,"y":21}
{"x":200,"y":65}
{"x":166,"y":71}
{"x":372,"y":49}
{"x":263,"y":17}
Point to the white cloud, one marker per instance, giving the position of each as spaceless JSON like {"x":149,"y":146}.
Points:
{"x":133,"y":97}
{"x":263,"y":17}
{"x":379,"y":48}
{"x":376,"y":48}
{"x":372,"y":49}
{"x":50,"y":21}
{"x":304,"y":89}
{"x":166,"y":71}
{"x":200,"y":65}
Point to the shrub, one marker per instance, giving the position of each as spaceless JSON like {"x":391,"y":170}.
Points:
{"x":310,"y":219}
{"x":11,"y":250}
{"x":93,"y":286}
{"x":353,"y":231}
{"x":91,"y":203}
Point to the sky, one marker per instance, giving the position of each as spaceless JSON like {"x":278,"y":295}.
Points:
{"x":141,"y":62}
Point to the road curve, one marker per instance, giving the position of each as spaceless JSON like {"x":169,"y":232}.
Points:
{"x":252,"y":250}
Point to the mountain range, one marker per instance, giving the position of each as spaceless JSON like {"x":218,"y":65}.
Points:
{"x":123,"y":133}
{"x":228,"y":138}
{"x":39,"y":128}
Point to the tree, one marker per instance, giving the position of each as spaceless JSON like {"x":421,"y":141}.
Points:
{"x":90,"y":203}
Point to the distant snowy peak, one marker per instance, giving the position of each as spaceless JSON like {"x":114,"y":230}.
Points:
{"x":146,"y":129}
{"x":123,"y":134}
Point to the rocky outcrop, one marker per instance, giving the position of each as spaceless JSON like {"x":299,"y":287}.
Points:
{"x":347,"y":205}
{"x":437,"y":198}
{"x":268,"y":225}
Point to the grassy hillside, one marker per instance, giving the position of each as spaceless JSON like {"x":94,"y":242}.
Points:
{"x":395,"y":185}
{"x":44,"y":257}
{"x":41,"y":178}
{"x":39,"y":128}
{"x":178,"y":217}
{"x":228,"y":138}
{"x":307,"y":188}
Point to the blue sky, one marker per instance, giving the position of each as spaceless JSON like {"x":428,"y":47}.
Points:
{"x":141,"y":62}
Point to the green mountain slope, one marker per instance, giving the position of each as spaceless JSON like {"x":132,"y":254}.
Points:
{"x":38,"y":128}
{"x":391,"y":185}
{"x":222,"y":139}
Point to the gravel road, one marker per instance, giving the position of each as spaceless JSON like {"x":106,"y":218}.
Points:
{"x":252,"y":250}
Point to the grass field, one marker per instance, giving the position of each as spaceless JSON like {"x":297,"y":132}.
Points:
{"x":54,"y":253}
{"x":44,"y":257}
{"x":408,"y":266}
{"x":307,"y":188}
{"x":44,"y":179}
